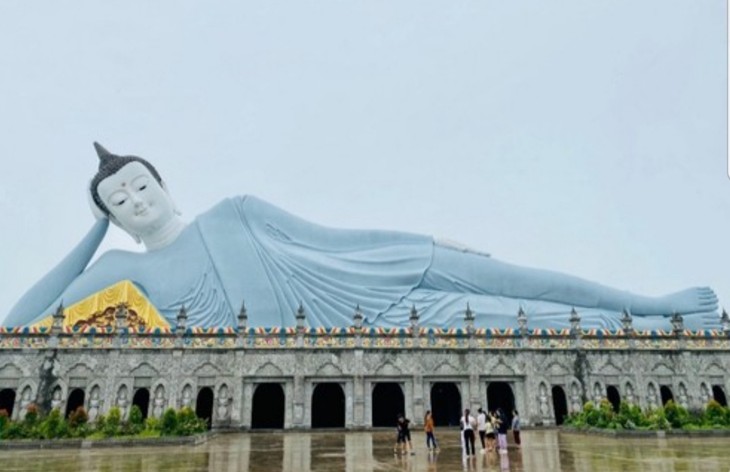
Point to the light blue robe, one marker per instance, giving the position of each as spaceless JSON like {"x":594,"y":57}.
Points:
{"x":245,"y":249}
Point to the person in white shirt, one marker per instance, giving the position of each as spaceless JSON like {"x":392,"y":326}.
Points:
{"x":468,"y":423}
{"x":482,"y":427}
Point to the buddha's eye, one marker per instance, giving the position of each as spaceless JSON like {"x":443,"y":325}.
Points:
{"x":119,"y":202}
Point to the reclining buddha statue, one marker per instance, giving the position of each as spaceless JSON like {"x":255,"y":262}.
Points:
{"x":247,"y":249}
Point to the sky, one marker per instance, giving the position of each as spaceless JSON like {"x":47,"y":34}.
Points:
{"x":583,"y":137}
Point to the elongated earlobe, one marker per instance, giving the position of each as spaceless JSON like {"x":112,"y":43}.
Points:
{"x":175,"y":209}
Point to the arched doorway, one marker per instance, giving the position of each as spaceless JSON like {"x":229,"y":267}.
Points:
{"x":388,"y":403}
{"x":613,"y":397}
{"x":719,"y":395}
{"x":328,"y":406}
{"x":445,"y":404}
{"x":560,"y":404}
{"x":267,"y":407}
{"x":666,"y":394}
{"x":7,"y":401}
{"x":500,"y":396}
{"x":142,"y":400}
{"x":204,"y":405}
{"x":75,"y":400}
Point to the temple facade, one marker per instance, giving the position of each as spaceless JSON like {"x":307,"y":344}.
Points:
{"x":355,"y":377}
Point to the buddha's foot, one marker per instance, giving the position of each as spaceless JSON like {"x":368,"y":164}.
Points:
{"x":692,"y":300}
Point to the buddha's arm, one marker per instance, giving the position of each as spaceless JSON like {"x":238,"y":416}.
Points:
{"x":37,"y":301}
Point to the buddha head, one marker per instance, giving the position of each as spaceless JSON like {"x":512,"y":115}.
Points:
{"x":130,"y":192}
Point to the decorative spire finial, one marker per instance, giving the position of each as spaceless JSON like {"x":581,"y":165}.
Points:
{"x":101,"y":152}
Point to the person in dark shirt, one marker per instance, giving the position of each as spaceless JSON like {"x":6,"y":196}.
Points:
{"x":403,"y":440}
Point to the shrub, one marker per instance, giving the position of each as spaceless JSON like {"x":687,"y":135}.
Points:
{"x":677,"y":415}
{"x":113,"y":422}
{"x":630,"y":416}
{"x":53,"y":426}
{"x":4,"y":420}
{"x":31,"y":414}
{"x":13,"y":431}
{"x":169,"y":423}
{"x":188,"y":423}
{"x":78,"y":417}
{"x":136,"y":419}
{"x":78,"y":423}
{"x":152,"y":424}
{"x":714,"y":414}
{"x":657,"y":420}
{"x":100,"y":424}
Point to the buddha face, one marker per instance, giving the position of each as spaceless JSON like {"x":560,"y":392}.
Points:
{"x":136,"y":201}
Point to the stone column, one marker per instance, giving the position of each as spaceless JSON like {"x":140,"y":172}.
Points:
{"x":358,"y":388}
{"x":301,"y":408}
{"x":348,"y":388}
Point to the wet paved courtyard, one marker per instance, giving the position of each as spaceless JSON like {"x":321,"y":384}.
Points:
{"x":373,"y":451}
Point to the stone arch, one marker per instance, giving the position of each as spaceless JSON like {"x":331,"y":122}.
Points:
{"x":682,"y":394}
{"x":188,"y":386}
{"x":718,"y":394}
{"x":269,"y":369}
{"x":160,"y":400}
{"x":93,"y":401}
{"x":609,"y":368}
{"x":662,"y":369}
{"x":329,"y":370}
{"x":543,"y":399}
{"x":268,"y":406}
{"x":224,"y":399}
{"x":207,"y":369}
{"x":388,"y":401}
{"x":388,"y":369}
{"x":555,"y":368}
{"x":501,"y":395}
{"x":446,"y":402}
{"x":598,"y":392}
{"x":28,"y":383}
{"x":205,"y":404}
{"x":629,"y":392}
{"x":328,"y":405}
{"x":705,"y":394}
{"x":575,"y":396}
{"x":714,"y":368}
{"x":76,"y":399}
{"x":446,"y":369}
{"x":10,"y":371}
{"x":560,"y":404}
{"x":614,"y":397}
{"x":666,"y":393}
{"x":144,"y":369}
{"x":80,"y":370}
{"x":501,"y":368}
{"x":62,"y":384}
{"x":652,"y":395}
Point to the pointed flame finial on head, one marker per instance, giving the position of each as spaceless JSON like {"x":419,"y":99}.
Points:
{"x":101,"y":151}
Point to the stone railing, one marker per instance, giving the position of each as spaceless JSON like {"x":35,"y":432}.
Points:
{"x":359,"y":338}
{"x":119,"y":335}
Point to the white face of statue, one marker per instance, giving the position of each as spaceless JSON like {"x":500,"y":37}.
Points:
{"x":136,"y":200}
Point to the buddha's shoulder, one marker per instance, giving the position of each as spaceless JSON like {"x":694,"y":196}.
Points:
{"x":248,"y":204}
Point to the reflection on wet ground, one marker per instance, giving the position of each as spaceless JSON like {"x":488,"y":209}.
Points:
{"x":373,"y":451}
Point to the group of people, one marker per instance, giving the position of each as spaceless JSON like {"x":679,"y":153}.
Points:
{"x":492,"y":427}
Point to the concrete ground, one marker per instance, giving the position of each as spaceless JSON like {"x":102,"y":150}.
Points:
{"x":541,"y":450}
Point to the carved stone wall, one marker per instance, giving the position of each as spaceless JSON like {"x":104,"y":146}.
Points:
{"x":234,"y":372}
